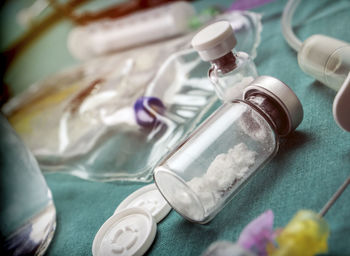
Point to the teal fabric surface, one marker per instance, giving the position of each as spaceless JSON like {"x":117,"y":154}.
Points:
{"x":311,"y":163}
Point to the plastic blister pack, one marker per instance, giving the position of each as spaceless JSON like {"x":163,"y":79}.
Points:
{"x":82,"y":121}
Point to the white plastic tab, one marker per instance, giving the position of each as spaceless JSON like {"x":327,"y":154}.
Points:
{"x":129,"y":232}
{"x":147,"y":198}
{"x":214,"y":41}
{"x":341,"y":105}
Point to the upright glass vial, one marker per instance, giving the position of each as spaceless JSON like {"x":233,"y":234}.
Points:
{"x":230,"y":71}
{"x":204,"y":173}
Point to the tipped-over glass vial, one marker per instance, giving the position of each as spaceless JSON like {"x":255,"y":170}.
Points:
{"x":230,"y":71}
{"x":204,"y":173}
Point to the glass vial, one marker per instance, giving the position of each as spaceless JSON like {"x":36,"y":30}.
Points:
{"x":204,"y":173}
{"x":230,"y":71}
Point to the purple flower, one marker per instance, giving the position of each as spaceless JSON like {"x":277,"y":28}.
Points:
{"x":147,"y":109}
{"x":258,"y":233}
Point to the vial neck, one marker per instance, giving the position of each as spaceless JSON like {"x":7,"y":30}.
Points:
{"x":272,"y":110}
{"x":225,"y":63}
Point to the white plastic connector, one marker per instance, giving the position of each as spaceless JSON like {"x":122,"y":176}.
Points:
{"x":328,"y":60}
{"x":341,"y":106}
{"x":325,"y":58}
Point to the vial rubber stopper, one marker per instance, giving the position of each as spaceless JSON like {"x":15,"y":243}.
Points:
{"x":283,"y":95}
{"x":129,"y":232}
{"x":214,"y":41}
{"x":148,"y":198}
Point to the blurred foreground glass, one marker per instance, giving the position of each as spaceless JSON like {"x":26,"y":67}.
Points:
{"x":27,"y":212}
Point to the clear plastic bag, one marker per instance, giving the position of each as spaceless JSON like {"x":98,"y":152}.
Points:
{"x":82,"y":121}
{"x":247,"y":26}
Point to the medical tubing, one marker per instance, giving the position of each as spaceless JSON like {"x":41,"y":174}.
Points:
{"x":287,"y":30}
{"x":334,"y":198}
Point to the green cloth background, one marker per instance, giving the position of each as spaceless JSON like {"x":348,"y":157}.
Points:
{"x":311,"y":164}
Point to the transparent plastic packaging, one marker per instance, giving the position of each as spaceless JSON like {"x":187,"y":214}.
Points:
{"x":146,"y":26}
{"x":81,"y":121}
{"x":109,"y":35}
{"x":210,"y":167}
{"x":85,"y":125}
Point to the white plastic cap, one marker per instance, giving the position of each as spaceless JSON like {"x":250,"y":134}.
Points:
{"x":318,"y":57}
{"x":148,"y":198}
{"x":214,"y":41}
{"x":283,"y":95}
{"x":128,"y":233}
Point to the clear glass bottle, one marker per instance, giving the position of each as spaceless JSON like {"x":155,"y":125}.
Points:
{"x":230,"y":71}
{"x":205,"y":171}
{"x":27,"y":211}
